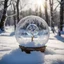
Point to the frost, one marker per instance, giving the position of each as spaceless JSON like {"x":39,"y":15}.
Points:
{"x":34,"y":30}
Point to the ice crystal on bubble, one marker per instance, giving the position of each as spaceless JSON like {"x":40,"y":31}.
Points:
{"x":32,"y":31}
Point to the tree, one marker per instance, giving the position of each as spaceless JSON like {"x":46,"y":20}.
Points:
{"x":3,"y":15}
{"x":46,"y":13}
{"x":61,"y":17}
{"x":14,"y":17}
{"x":51,"y":13}
{"x":17,"y":5}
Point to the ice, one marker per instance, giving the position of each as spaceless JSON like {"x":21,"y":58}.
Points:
{"x":32,"y":28}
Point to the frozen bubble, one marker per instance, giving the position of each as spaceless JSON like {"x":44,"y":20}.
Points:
{"x":32,"y":31}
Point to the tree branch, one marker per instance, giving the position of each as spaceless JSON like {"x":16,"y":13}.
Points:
{"x":56,"y":7}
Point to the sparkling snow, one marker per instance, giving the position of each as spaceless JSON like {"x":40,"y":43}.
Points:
{"x":10,"y":52}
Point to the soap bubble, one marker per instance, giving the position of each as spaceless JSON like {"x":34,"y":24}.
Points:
{"x":32,"y":31}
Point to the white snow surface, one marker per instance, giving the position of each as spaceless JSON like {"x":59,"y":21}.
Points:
{"x":10,"y":52}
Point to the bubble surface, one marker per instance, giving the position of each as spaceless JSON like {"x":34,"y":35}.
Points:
{"x":32,"y":31}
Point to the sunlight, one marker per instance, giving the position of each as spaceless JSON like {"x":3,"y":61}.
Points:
{"x":35,"y":4}
{"x":40,"y":4}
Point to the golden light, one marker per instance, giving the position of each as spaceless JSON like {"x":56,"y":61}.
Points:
{"x":35,"y":4}
{"x":39,"y":2}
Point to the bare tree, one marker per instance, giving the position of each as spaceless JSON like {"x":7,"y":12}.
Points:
{"x":61,"y":17}
{"x":17,"y":5}
{"x":51,"y":13}
{"x":46,"y":13}
{"x":14,"y":17}
{"x":3,"y":15}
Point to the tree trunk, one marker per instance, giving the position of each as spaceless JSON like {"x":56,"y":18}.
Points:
{"x":51,"y":13}
{"x":14,"y":17}
{"x":3,"y":16}
{"x":46,"y":13}
{"x":40,"y":12}
{"x":32,"y":38}
{"x":17,"y":5}
{"x":61,"y":18}
{"x":61,"y":15}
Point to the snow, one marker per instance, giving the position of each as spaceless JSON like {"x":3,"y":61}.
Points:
{"x":9,"y":28}
{"x":10,"y":52}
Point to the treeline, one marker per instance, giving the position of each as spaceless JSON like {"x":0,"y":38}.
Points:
{"x":12,"y":11}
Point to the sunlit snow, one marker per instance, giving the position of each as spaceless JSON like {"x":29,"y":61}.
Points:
{"x":10,"y":52}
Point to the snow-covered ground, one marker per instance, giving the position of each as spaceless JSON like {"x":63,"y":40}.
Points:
{"x":10,"y":52}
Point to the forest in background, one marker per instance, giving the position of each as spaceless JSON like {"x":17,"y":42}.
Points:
{"x":52,"y":11}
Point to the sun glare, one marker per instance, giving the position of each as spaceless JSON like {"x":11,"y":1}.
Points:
{"x":35,"y":4}
{"x":39,"y":2}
